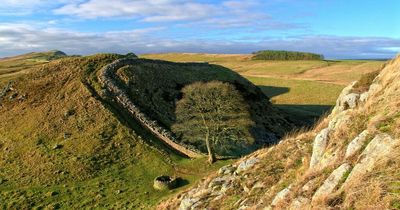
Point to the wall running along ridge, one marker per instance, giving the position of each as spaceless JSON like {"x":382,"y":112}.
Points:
{"x":107,"y":78}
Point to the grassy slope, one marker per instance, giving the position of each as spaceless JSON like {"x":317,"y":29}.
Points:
{"x":13,"y":67}
{"x":102,"y":164}
{"x":303,"y":88}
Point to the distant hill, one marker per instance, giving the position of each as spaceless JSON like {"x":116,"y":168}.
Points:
{"x":12,"y":67}
{"x":285,"y":55}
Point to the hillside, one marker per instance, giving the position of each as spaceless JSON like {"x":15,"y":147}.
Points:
{"x":349,"y":160}
{"x":12,"y":67}
{"x":71,"y":139}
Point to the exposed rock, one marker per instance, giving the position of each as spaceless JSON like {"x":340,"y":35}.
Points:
{"x":364,"y":97}
{"x":377,"y":150}
{"x":332,"y":181}
{"x":188,"y":203}
{"x":281,"y":196}
{"x":57,"y":146}
{"x":356,"y":144}
{"x":339,"y":120}
{"x":320,"y":143}
{"x":340,"y":101}
{"x":229,"y":169}
{"x":300,"y":203}
{"x":246,"y":164}
{"x":350,"y":101}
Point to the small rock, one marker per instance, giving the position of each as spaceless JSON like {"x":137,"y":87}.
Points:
{"x":356,"y":144}
{"x":300,"y":203}
{"x":246,"y":164}
{"x":51,"y":193}
{"x":281,"y":196}
{"x":332,"y":181}
{"x":57,"y":146}
{"x":67,"y":135}
{"x":350,"y":101}
{"x":364,"y":96}
{"x":187,"y":203}
{"x":229,"y":169}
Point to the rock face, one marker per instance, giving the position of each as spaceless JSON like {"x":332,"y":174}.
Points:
{"x":332,"y":181}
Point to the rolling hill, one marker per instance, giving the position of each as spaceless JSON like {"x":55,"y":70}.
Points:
{"x":67,"y":141}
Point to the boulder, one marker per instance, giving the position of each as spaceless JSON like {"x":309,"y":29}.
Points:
{"x":319,"y":146}
{"x":331,"y":183}
{"x":356,"y":144}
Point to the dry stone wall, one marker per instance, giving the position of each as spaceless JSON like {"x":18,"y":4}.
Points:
{"x":109,"y":81}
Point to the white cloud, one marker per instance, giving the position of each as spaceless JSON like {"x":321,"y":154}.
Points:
{"x":23,"y":38}
{"x":147,"y":10}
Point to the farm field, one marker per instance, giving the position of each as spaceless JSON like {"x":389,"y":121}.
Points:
{"x":306,"y":89}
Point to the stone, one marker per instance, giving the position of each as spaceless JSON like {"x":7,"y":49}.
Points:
{"x":281,"y":196}
{"x":350,"y":101}
{"x":57,"y":146}
{"x":246,"y":164}
{"x":356,"y":144}
{"x":188,"y":203}
{"x":332,"y":182}
{"x":300,"y":203}
{"x":319,"y":146}
{"x":229,"y":169}
{"x":339,"y":120}
{"x":380,"y":147}
{"x":364,"y":97}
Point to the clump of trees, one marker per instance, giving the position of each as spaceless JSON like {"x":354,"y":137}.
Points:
{"x":213,"y":115}
{"x":285,"y":55}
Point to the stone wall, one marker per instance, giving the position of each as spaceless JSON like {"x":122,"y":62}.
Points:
{"x":108,"y":80}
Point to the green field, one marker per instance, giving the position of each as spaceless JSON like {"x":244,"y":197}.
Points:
{"x":305,"y":89}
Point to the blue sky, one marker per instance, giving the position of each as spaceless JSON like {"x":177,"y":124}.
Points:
{"x":335,"y":28}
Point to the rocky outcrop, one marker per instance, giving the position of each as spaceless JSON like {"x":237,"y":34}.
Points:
{"x":109,"y":81}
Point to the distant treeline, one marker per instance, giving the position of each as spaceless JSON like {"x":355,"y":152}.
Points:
{"x":285,"y":55}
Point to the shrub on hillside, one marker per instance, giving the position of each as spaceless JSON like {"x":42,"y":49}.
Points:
{"x":285,"y":55}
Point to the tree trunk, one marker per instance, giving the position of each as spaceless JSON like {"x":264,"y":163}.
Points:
{"x":211,"y":158}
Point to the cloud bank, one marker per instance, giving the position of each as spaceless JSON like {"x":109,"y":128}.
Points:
{"x":22,"y":38}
